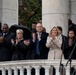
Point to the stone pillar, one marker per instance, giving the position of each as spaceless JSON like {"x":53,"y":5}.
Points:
{"x":9,"y":11}
{"x":55,"y":13}
{"x":73,"y":10}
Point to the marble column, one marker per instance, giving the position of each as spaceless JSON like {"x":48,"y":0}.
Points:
{"x":73,"y":10}
{"x":55,"y":13}
{"x":9,"y":11}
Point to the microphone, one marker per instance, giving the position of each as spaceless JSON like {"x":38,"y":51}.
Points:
{"x":63,"y":40}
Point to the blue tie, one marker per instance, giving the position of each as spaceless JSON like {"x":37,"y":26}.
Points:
{"x":37,"y":47}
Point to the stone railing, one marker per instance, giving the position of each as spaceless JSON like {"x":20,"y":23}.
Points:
{"x":24,"y":67}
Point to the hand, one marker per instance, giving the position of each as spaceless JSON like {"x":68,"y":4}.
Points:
{"x":27,"y":42}
{"x":70,"y":42}
{"x":1,"y":39}
{"x":53,"y":35}
{"x":12,"y":41}
{"x":34,"y":36}
{"x":18,"y":40}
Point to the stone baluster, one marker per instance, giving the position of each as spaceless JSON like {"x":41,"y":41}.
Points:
{"x":57,"y":70}
{"x":47,"y":69}
{"x":37,"y":70}
{"x":21,"y":71}
{"x":67,"y":70}
{"x":15,"y":71}
{"x":3,"y":71}
{"x":9,"y":71}
{"x":28,"y":70}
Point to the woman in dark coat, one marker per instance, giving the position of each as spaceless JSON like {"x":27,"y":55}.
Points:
{"x":71,"y":41}
{"x":20,"y":46}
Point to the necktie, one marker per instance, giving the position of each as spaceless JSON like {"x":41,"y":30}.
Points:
{"x":37,"y":47}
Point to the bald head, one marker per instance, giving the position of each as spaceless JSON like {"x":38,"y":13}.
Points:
{"x":39,"y":27}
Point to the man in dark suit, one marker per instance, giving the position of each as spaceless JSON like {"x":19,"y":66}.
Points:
{"x":5,"y":43}
{"x":63,"y":37}
{"x":38,"y":45}
{"x":38,"y":42}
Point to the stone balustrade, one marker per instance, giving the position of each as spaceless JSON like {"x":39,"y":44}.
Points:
{"x":24,"y":67}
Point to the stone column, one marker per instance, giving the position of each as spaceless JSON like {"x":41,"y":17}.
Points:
{"x":9,"y":11}
{"x":73,"y":10}
{"x":55,"y":13}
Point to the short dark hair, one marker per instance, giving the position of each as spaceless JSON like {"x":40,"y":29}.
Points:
{"x":71,"y":30}
{"x":6,"y":24}
{"x":69,"y":21}
{"x":34,"y":23}
{"x":60,"y":28}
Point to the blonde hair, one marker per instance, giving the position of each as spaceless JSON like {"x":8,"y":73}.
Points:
{"x":52,"y":29}
{"x":19,"y":30}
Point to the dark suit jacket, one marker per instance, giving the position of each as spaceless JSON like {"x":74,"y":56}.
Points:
{"x":5,"y":47}
{"x":64,"y":42}
{"x":42,"y":46}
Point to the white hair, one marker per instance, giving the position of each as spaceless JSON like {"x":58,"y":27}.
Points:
{"x":19,"y":30}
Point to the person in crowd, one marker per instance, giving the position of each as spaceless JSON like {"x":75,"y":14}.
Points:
{"x":20,"y":46}
{"x":5,"y":43}
{"x":38,"y":42}
{"x":62,"y":37}
{"x":71,"y":26}
{"x":71,"y":41}
{"x":40,"y":21}
{"x":33,"y":29}
{"x":54,"y":44}
{"x":44,"y":29}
